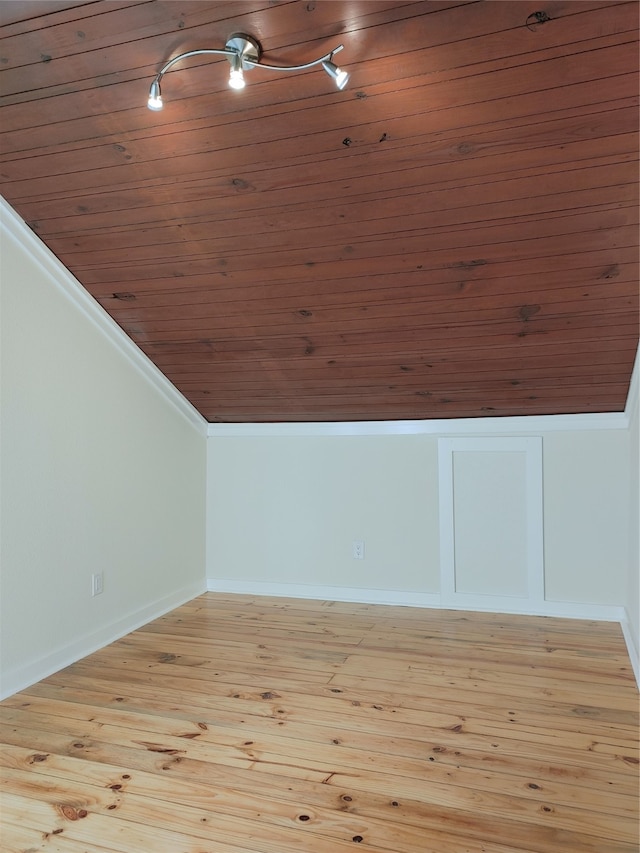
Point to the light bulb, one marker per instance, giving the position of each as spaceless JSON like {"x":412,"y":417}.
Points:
{"x":236,"y":78}
{"x":342,"y":78}
{"x":155,"y":98}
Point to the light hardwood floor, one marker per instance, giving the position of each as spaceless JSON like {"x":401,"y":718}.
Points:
{"x":238,"y":724}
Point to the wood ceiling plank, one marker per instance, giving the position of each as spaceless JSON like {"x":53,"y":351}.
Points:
{"x":390,"y":372}
{"x":103,"y":282}
{"x":17,"y":18}
{"x":555,"y":288}
{"x":585,"y":356}
{"x":252,"y":106}
{"x":603,"y":64}
{"x":430,"y":151}
{"x":135,"y":24}
{"x":476,"y":246}
{"x":604,"y":23}
{"x":356,"y":225}
{"x":421,"y":329}
{"x":375,"y":316}
{"x":609,"y":397}
{"x":109,"y":25}
{"x":154,"y":32}
{"x":394,"y":174}
{"x":242,"y":205}
{"x":428,"y":388}
{"x":526,"y":352}
{"x":277,"y":200}
{"x":426,"y":339}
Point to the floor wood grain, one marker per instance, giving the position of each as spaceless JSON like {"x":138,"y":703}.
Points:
{"x":258,"y":725}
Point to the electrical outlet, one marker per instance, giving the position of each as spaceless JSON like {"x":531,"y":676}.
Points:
{"x":358,"y":549}
{"x":97,"y":583}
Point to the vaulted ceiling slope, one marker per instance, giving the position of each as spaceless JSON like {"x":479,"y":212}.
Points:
{"x":455,"y":234}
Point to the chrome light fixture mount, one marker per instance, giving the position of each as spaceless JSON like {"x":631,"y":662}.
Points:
{"x":244,"y":53}
{"x":248,"y":49}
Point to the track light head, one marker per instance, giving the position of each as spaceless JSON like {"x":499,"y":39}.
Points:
{"x":341,"y":77}
{"x":155,"y":96}
{"x":236,"y":77}
{"x":243,"y":53}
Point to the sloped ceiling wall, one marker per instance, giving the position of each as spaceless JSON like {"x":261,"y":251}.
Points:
{"x":453,"y":235}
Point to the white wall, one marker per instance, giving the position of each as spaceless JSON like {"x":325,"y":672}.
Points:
{"x":103,"y":469}
{"x":285,"y":510}
{"x":586,"y":517}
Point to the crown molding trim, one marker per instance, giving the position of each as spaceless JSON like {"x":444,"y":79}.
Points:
{"x":15,"y":229}
{"x":524,"y":425}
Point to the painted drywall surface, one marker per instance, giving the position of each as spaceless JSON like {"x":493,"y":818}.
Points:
{"x":287,"y":510}
{"x":633,"y":587}
{"x":586,"y":516}
{"x":99,"y":473}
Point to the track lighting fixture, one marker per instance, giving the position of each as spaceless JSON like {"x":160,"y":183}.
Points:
{"x":243,"y":54}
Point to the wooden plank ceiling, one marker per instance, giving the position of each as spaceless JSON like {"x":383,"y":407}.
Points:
{"x":455,"y":234}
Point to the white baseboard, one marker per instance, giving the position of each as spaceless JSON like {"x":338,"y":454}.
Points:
{"x":409,"y":598}
{"x":579,"y":610}
{"x":631,"y":648}
{"x":325,"y":593}
{"x":18,"y":678}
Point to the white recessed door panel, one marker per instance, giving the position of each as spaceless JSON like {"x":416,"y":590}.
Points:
{"x":491,"y":522}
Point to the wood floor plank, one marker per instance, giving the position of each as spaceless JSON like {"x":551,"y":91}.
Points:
{"x":489,"y":702}
{"x":311,"y":834}
{"x":359,"y":752}
{"x":260,"y":725}
{"x":324,"y":727}
{"x":492,"y":724}
{"x":489,"y":747}
{"x":20,"y":838}
{"x":401,"y":778}
{"x":315,"y":717}
{"x":122,"y":836}
{"x":396,"y":663}
{"x":196,"y":777}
